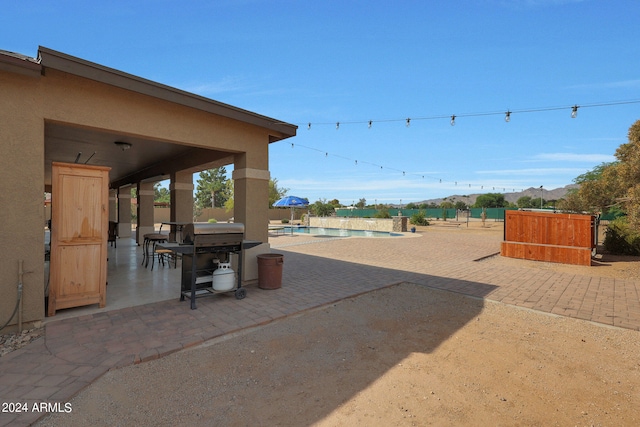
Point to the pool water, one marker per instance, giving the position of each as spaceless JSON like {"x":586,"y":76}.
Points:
{"x":339,"y":232}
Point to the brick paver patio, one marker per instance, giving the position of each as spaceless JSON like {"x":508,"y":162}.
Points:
{"x":76,"y":351}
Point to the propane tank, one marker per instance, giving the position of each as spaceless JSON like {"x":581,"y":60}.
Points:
{"x":223,"y":277}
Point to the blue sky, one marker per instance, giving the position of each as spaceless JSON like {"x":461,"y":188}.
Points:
{"x":323,"y":62}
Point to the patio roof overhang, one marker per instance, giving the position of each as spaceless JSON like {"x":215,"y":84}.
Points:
{"x":155,"y":159}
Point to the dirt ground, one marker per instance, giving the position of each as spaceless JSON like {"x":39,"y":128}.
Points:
{"x":405,"y":355}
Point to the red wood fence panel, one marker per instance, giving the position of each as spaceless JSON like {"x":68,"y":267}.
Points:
{"x":552,"y":237}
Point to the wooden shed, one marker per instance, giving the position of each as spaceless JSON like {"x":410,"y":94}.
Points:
{"x":548,"y":236}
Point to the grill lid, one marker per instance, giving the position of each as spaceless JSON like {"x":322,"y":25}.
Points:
{"x":190,"y":231}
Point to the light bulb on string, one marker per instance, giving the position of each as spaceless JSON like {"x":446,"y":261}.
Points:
{"x":309,"y":126}
{"x":507,"y":116}
{"x":408,"y":122}
{"x":453,"y":120}
{"x":370,"y":123}
{"x":337,"y":125}
{"x":574,"y":111}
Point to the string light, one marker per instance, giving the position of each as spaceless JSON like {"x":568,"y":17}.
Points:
{"x":404,"y":173}
{"x":507,"y":114}
{"x":507,"y":118}
{"x":574,"y":111}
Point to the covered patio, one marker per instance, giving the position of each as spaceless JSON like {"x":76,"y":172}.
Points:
{"x":61,"y":109}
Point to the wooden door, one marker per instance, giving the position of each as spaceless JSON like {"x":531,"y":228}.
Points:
{"x":79,"y":234}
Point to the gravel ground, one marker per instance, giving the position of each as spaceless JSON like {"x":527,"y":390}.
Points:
{"x":14,"y":341}
{"x":404,"y":355}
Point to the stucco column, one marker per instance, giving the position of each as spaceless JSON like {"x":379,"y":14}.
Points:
{"x":181,"y":190}
{"x":145,"y":210}
{"x":113,"y":204}
{"x":22,"y":215}
{"x":124,"y":211}
{"x":251,"y":202}
{"x":251,"y":208}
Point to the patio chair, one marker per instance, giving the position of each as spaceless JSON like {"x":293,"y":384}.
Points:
{"x":113,"y":233}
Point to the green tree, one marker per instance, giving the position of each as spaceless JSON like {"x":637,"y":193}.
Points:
{"x":361,"y":203}
{"x":161,"y":194}
{"x":524,"y":202}
{"x":228,"y":205}
{"x":275,"y":193}
{"x":460,"y":205}
{"x":491,"y":200}
{"x":383,"y":212}
{"x":212,"y":189}
{"x":322,"y":208}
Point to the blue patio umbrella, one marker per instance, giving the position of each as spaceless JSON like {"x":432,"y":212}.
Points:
{"x":291,"y":202}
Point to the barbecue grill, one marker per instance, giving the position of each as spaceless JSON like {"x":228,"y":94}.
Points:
{"x":204,"y":246}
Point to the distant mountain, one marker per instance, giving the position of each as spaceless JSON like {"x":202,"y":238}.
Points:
{"x":532,"y":192}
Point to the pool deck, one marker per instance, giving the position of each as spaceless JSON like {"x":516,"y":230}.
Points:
{"x":317,"y":271}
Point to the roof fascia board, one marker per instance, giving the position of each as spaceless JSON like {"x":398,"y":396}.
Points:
{"x":69,"y":64}
{"x":19,"y":64}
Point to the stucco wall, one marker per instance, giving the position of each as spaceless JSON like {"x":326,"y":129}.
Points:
{"x":22,"y":215}
{"x":221,"y":214}
{"x":371,"y":224}
{"x":28,"y":102}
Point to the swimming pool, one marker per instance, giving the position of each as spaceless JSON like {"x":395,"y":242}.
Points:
{"x":339,"y":232}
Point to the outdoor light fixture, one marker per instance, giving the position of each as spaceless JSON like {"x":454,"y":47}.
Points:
{"x":453,"y":120}
{"x":309,"y":126}
{"x":541,"y":190}
{"x":124,"y":146}
{"x":408,"y":122}
{"x":370,"y":123}
{"x":574,"y":111}
{"x":337,"y":125}
{"x":507,"y":116}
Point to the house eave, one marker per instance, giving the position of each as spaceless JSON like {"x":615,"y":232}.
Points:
{"x":52,"y":59}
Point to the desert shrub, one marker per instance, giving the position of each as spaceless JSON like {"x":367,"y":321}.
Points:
{"x":621,"y":239}
{"x":212,"y":221}
{"x":285,"y":220}
{"x":418,"y":219}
